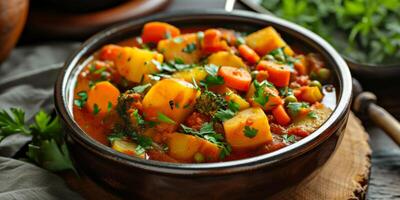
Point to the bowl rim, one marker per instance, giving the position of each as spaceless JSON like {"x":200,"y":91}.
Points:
{"x":321,"y":134}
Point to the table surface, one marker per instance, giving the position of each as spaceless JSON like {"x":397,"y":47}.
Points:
{"x":384,"y":181}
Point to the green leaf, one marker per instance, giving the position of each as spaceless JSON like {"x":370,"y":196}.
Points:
{"x":189,"y":48}
{"x":233,"y":106}
{"x":224,"y":115}
{"x":295,"y":107}
{"x":139,"y":119}
{"x":163,"y":118}
{"x":312,"y":115}
{"x":12,"y":124}
{"x":141,"y":88}
{"x":53,"y":157}
{"x":289,"y":138}
{"x":96,"y":109}
{"x":250,"y":132}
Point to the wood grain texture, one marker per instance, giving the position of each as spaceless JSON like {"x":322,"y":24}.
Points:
{"x":345,"y":176}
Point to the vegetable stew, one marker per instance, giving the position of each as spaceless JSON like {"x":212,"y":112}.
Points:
{"x":202,"y":95}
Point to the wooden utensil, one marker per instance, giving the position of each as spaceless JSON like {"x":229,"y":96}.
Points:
{"x":12,"y":20}
{"x":365,"y":104}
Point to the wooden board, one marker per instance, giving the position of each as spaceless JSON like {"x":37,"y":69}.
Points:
{"x":345,"y":176}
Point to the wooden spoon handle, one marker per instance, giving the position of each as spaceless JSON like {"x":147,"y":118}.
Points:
{"x":385,"y":121}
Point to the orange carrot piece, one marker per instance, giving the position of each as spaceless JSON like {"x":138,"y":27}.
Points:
{"x":110,"y":52}
{"x":301,"y":65}
{"x":236,"y":78}
{"x":279,"y":74}
{"x":102,"y":97}
{"x":156,"y":31}
{"x":311,"y":94}
{"x":249,"y":54}
{"x":212,"y":41}
{"x":281,"y":115}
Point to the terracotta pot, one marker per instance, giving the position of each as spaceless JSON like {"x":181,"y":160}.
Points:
{"x":251,"y":178}
{"x":13,"y":15}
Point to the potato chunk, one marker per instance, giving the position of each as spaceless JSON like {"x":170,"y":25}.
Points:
{"x":134,"y":63}
{"x":266,"y":40}
{"x":254,"y":118}
{"x":172,"y":97}
{"x":224,"y":58}
{"x":196,"y":73}
{"x":184,"y":47}
{"x":183,"y":147}
{"x":102,"y":98}
{"x":126,"y":148}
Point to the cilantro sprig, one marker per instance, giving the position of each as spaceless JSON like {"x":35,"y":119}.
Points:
{"x":47,"y":148}
{"x":207,"y":132}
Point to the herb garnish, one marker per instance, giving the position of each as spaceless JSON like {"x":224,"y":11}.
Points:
{"x":288,"y":138}
{"x":260,"y":95}
{"x":163,"y":118}
{"x":295,"y":107}
{"x":250,"y":132}
{"x":212,"y":78}
{"x":81,"y":101}
{"x":96,"y":109}
{"x":141,"y":88}
{"x":189,"y":48}
{"x":207,"y":132}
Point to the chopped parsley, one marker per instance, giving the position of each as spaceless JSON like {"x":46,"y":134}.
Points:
{"x":233,"y":106}
{"x":109,"y":106}
{"x":260,"y":95}
{"x":139,"y":119}
{"x":288,"y":138}
{"x":208,"y":133}
{"x":250,"y":132}
{"x":96,"y":109}
{"x":312,"y":115}
{"x":212,"y":78}
{"x":295,"y":107}
{"x":163,"y":118}
{"x":81,"y":101}
{"x":224,"y":115}
{"x":189,"y":48}
{"x":141,"y":88}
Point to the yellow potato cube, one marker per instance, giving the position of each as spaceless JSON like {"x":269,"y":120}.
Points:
{"x":126,"y":148}
{"x":254,"y":118}
{"x":173,"y":98}
{"x":134,"y":63}
{"x":184,"y":47}
{"x":224,"y":58}
{"x":196,"y":73}
{"x":266,"y":40}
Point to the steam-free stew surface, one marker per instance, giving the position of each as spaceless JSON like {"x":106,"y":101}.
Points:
{"x":208,"y":95}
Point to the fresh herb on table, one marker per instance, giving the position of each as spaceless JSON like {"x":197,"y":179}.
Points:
{"x":47,"y":148}
{"x":208,"y":133}
{"x":367,"y":30}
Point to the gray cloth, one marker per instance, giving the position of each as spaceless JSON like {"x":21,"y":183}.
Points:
{"x":26,"y":81}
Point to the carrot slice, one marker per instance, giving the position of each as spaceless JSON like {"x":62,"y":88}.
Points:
{"x":279,"y":74}
{"x":102,"y":97}
{"x":110,"y":52}
{"x":156,"y":31}
{"x":212,"y":41}
{"x":281,"y":115}
{"x":249,"y":54}
{"x":236,"y":78}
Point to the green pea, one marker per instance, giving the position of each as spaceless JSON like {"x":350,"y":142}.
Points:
{"x":316,"y":84}
{"x":324,"y":74}
{"x":198,"y":157}
{"x":290,"y":98}
{"x":254,"y":74}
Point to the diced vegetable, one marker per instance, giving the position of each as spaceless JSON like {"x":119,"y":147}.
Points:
{"x":212,"y":41}
{"x":280,"y":115}
{"x":183,"y":147}
{"x":237,"y":78}
{"x":134,"y":63}
{"x":311,"y":94}
{"x":163,"y":98}
{"x":266,"y":40}
{"x":156,"y":31}
{"x":256,"y":121}
{"x":102,"y":98}
{"x":301,"y":65}
{"x":196,"y":73}
{"x":264,"y":95}
{"x":110,"y":52}
{"x":224,"y":58}
{"x":126,"y":147}
{"x":184,"y":48}
{"x":278,"y":74}
{"x":248,"y":54}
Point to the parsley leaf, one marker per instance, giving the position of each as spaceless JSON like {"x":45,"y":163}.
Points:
{"x":233,"y":106}
{"x":312,"y":115}
{"x":163,"y":118}
{"x":250,"y":132}
{"x":96,"y":109}
{"x":141,"y":88}
{"x":212,"y":78}
{"x":289,"y":138}
{"x":11,"y":124}
{"x":260,"y":95}
{"x":224,"y":115}
{"x":295,"y":107}
{"x":81,"y":101}
{"x":139,"y":119}
{"x":189,"y":48}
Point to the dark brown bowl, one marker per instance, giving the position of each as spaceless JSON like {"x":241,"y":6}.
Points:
{"x":249,"y":178}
